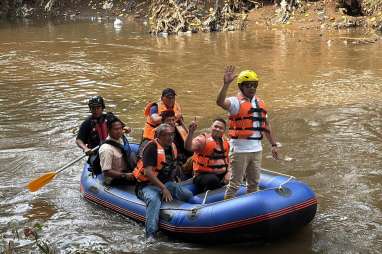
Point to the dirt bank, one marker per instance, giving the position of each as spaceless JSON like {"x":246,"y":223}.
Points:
{"x":294,"y":14}
{"x":320,"y":15}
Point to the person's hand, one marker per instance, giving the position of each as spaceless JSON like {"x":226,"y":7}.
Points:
{"x":88,"y":151}
{"x":128,"y":176}
{"x":227,"y":177}
{"x":178,"y":117}
{"x":166,"y":195}
{"x":126,"y":130}
{"x":229,"y":74}
{"x":275,"y":153}
{"x":193,"y":126}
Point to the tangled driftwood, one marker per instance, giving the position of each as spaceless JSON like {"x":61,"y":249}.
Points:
{"x":175,"y":16}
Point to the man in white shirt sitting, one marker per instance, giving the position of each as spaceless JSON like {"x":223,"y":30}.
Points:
{"x":116,"y":159}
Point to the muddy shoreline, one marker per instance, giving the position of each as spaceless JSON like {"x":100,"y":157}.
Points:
{"x":319,"y":15}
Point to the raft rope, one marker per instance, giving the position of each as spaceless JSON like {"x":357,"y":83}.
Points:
{"x":205,"y":197}
{"x":203,"y":204}
{"x":276,"y":173}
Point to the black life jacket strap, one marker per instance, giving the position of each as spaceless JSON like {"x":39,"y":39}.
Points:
{"x":127,"y":155}
{"x":251,"y":138}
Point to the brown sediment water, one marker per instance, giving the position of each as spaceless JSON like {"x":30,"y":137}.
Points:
{"x":322,"y":91}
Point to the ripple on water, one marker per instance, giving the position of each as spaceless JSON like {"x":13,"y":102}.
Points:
{"x":324,"y":103}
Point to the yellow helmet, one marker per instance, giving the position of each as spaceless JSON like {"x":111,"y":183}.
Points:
{"x":247,"y":75}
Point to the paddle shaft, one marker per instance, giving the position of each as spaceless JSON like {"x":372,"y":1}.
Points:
{"x":74,"y":161}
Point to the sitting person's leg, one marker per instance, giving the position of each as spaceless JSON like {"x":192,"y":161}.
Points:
{"x":207,"y":181}
{"x":178,"y":191}
{"x":152,"y":196}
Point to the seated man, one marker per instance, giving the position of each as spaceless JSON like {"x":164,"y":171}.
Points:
{"x":210,"y":159}
{"x":153,"y":112}
{"x":93,"y":130}
{"x":154,"y":117}
{"x":168,"y":117}
{"x":116,"y":159}
{"x":154,"y":174}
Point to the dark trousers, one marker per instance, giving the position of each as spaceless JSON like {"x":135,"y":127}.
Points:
{"x":208,"y":181}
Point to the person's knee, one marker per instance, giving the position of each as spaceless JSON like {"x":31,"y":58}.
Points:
{"x":183,"y":193}
{"x":212,"y":180}
{"x":171,"y":186}
{"x":152,"y":198}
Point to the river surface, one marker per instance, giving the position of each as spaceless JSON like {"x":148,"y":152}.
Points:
{"x":323,"y":93}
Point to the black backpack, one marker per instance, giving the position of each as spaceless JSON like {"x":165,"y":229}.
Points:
{"x":128,"y":156}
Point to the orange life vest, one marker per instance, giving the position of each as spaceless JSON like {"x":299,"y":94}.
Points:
{"x":139,"y":171}
{"x":149,"y":129}
{"x":241,"y":125}
{"x":213,"y":159}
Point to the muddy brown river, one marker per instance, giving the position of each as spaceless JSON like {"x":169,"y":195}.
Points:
{"x":322,"y":90}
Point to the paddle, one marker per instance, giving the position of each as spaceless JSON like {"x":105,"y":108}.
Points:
{"x":48,"y":176}
{"x":182,"y":130}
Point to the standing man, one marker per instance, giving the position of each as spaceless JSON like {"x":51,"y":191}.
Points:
{"x":93,"y":130}
{"x":116,"y":158}
{"x":154,"y":174}
{"x":210,"y":159}
{"x":247,"y":123}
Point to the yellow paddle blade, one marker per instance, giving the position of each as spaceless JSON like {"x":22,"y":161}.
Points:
{"x":41,"y":181}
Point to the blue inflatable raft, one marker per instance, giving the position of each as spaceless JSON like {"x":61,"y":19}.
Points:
{"x":282,"y":205}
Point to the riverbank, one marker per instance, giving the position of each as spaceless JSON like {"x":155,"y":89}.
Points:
{"x":320,"y":15}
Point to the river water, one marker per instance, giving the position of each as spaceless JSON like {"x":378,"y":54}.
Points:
{"x":322,"y":90}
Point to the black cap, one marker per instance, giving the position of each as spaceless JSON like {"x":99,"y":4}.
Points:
{"x":168,"y":92}
{"x":96,"y":101}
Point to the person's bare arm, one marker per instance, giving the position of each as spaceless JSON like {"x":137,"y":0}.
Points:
{"x":116,"y":174}
{"x":269,"y":135}
{"x":157,"y":119}
{"x":229,"y":76}
{"x":83,"y":146}
{"x":191,"y":129}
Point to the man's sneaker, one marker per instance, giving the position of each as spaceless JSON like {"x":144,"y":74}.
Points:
{"x":150,"y":239}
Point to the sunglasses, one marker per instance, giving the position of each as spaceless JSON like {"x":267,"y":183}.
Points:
{"x":95,"y":107}
{"x":168,"y":134}
{"x":250,"y":85}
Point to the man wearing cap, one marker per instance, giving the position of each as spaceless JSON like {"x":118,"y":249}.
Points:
{"x":248,"y":122}
{"x":153,"y":112}
{"x":93,"y":130}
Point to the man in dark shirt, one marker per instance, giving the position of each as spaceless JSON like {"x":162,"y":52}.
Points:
{"x":154,"y":174}
{"x":93,"y":130}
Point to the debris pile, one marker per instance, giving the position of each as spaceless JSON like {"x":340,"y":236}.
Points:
{"x":182,"y":16}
